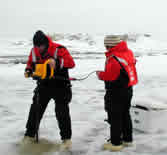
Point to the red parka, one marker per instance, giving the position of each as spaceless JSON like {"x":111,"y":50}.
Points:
{"x":54,"y":51}
{"x":112,"y":67}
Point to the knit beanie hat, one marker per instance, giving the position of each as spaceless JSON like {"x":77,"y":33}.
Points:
{"x":111,"y":40}
{"x":40,"y":39}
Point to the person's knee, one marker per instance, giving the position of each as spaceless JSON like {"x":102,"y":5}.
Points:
{"x":62,"y":109}
{"x":68,"y":97}
{"x":64,"y":97}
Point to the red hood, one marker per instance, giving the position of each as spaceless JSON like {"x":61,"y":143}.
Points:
{"x":118,"y":49}
{"x":51,"y":43}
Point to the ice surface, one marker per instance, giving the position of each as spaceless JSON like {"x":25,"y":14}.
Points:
{"x":87,"y":105}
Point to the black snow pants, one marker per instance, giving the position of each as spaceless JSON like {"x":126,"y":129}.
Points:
{"x":117,"y":105}
{"x":62,"y":98}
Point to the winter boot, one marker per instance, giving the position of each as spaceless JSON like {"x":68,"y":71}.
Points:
{"x":66,"y":144}
{"x":112,"y":147}
{"x":127,"y":144}
{"x":28,"y":140}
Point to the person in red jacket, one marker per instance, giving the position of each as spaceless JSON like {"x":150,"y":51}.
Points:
{"x":56,"y":88}
{"x":119,"y":77}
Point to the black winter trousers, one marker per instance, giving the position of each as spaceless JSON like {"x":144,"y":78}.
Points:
{"x":62,"y":98}
{"x":117,"y":106}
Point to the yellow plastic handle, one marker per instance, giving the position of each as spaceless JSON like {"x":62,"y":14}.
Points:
{"x":45,"y":70}
{"x":41,"y":70}
{"x":52,"y":73}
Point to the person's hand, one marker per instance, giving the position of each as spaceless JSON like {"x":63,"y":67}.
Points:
{"x":28,"y":73}
{"x":97,"y":73}
{"x":52,"y":63}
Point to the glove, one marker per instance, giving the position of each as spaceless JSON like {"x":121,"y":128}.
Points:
{"x":97,"y":73}
{"x":28,"y":73}
{"x":52,"y":63}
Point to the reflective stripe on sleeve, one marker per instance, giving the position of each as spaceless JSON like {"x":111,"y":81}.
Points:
{"x":33,"y":56}
{"x":62,"y":63}
{"x":55,"y":54}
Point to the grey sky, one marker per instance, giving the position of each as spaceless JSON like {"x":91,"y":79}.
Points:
{"x":24,"y":17}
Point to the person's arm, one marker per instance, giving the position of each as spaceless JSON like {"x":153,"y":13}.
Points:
{"x":111,"y":73}
{"x":29,"y":62}
{"x":29,"y":66}
{"x":66,"y":60}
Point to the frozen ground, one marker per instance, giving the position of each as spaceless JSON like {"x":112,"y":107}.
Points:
{"x":87,"y":112}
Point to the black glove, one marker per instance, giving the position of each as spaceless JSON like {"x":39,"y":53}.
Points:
{"x":28,"y":72}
